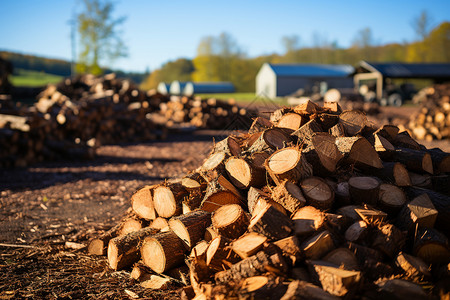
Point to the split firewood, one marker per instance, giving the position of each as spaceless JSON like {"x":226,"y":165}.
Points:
{"x":123,"y":251}
{"x":334,"y":280}
{"x":248,"y":244}
{"x":270,"y":222}
{"x":318,"y":245}
{"x":229,"y":146}
{"x":337,"y":130}
{"x":356,"y":232}
{"x":298,"y":290}
{"x":289,"y":196}
{"x":398,"y":289}
{"x":259,"y":125}
{"x":162,"y":251}
{"x":322,"y":153}
{"x":414,"y":160}
{"x":210,"y":233}
{"x":214,"y":165}
{"x":230,"y":221}
{"x":199,"y":250}
{"x":371,"y":216}
{"x":358,"y":151}
{"x":191,"y":227}
{"x":305,"y":133}
{"x":290,"y":247}
{"x":388,"y":239}
{"x":219,"y":255}
{"x":344,"y":258}
{"x":414,"y":267}
{"x":307,"y":220}
{"x":252,"y":266}
{"x":353,"y":122}
{"x":395,"y":173}
{"x":269,"y":140}
{"x":440,"y":159}
{"x":261,"y":287}
{"x":418,"y":213}
{"x":291,"y":121}
{"x":160,"y":223}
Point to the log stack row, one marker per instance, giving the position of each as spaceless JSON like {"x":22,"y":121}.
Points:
{"x":313,"y":203}
{"x":73,"y":117}
{"x":432,"y":122}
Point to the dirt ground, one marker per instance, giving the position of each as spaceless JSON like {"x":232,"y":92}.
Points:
{"x":44,"y":206}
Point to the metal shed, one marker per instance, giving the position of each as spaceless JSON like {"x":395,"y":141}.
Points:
{"x":192,"y":88}
{"x":163,"y":88}
{"x":177,"y":87}
{"x":376,"y":74}
{"x":278,"y":80}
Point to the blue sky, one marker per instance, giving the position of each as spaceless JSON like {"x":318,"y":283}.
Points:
{"x":159,"y":31}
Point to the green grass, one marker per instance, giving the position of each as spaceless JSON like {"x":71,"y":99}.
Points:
{"x":244,"y":98}
{"x":28,"y":78}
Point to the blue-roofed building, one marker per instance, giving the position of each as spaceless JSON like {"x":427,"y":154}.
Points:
{"x":192,"y":88}
{"x":279,"y":80}
{"x":177,"y":87}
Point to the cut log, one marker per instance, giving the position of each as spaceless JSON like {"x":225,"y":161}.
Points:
{"x":371,"y":216}
{"x":210,"y":233}
{"x":398,"y":289}
{"x":219,"y":255}
{"x":131,"y":223}
{"x":317,"y":192}
{"x":337,"y":130}
{"x":363,"y":253}
{"x":358,"y":151}
{"x":349,"y":211}
{"x":364,"y":190}
{"x":270,"y":139}
{"x":229,"y":146}
{"x":394,"y":172}
{"x":389,"y":132}
{"x":440,"y":159}
{"x":142,"y":203}
{"x":353,"y":122}
{"x":261,"y":287}
{"x":419,"y":213}
{"x":289,"y":196}
{"x":140,"y":271}
{"x":288,"y":164}
{"x":414,"y":160}
{"x":218,"y":193}
{"x":388,"y":239}
{"x":156,"y":282}
{"x":414,"y":267}
{"x":307,"y":108}
{"x":199,"y":250}
{"x":243,"y":174}
{"x":356,"y":232}
{"x":334,"y":280}
{"x":344,"y":258}
{"x":391,"y":199}
{"x":307,"y":219}
{"x":230,"y":221}
{"x":248,"y":244}
{"x":123,"y":250}
{"x":290,"y":247}
{"x":421,"y":180}
{"x":299,"y":290}
{"x":214,"y":165}
{"x":318,"y":245}
{"x":253,"y":196}
{"x":305,"y":133}
{"x":259,"y":125}
{"x":432,"y":246}
{"x":271,"y":223}
{"x":191,"y":227}
{"x":252,"y":266}
{"x":167,"y":199}
{"x":291,"y":121}
{"x":404,"y":140}
{"x":162,"y":251}
{"x":441,"y":203}
{"x":326,"y":150}
{"x":383,"y":147}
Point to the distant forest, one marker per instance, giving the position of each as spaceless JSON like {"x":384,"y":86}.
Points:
{"x":56,"y":66}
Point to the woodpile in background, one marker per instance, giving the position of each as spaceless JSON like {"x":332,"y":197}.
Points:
{"x":73,"y":117}
{"x":432,"y":122}
{"x":314,"y":203}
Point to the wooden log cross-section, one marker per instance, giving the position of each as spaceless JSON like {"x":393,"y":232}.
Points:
{"x":288,"y":164}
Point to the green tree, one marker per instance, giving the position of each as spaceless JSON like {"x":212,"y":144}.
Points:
{"x":100,"y":37}
{"x":180,"y":69}
{"x":422,"y":25}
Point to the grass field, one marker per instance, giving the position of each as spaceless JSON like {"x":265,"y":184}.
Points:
{"x":29,"y":78}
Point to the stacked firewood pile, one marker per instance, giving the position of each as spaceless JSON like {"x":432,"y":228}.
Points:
{"x":314,"y":203}
{"x":73,"y":117}
{"x":433,"y":120}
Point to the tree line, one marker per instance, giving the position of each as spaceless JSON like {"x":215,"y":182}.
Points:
{"x":219,"y":58}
